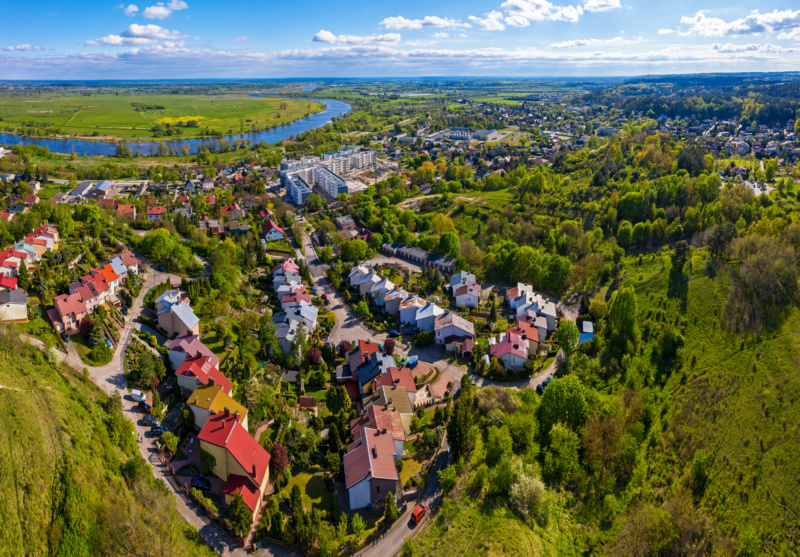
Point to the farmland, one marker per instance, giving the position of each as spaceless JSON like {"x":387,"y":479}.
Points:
{"x":113,"y":116}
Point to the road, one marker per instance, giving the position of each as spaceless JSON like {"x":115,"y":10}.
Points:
{"x":111,"y":377}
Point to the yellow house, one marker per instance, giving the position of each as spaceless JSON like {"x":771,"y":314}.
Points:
{"x":240,"y":460}
{"x":210,"y":399}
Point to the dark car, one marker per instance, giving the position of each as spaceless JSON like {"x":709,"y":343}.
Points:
{"x":394,"y":334}
{"x":143,"y":407}
{"x":201,"y":483}
{"x":157,"y":431}
{"x":150,"y":420}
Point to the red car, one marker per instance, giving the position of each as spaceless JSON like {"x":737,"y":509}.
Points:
{"x":419,"y":512}
{"x":144,"y":407}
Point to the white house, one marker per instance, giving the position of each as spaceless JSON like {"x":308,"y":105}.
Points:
{"x":380,"y":290}
{"x":272,"y":231}
{"x":462,"y":277}
{"x":451,"y":324}
{"x":426,"y":316}
{"x":467,"y":295}
{"x":367,"y":282}
{"x":356,"y":274}
{"x":510,"y":351}
{"x":393,"y":299}
{"x":408,"y":310}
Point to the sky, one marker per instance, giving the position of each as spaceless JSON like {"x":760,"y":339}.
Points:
{"x":172,"y":39}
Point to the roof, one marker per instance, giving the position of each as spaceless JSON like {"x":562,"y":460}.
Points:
{"x":469,"y":289}
{"x":17,"y":296}
{"x":183,"y":312}
{"x":8,"y":282}
{"x":588,"y":327}
{"x":69,"y":303}
{"x":107,"y":272}
{"x":507,"y":346}
{"x":226,"y":432}
{"x":204,"y":369}
{"x":128,"y":259}
{"x":192,"y":345}
{"x":269,"y":226}
{"x":215,"y":399}
{"x":451,"y":318}
{"x":396,"y":293}
{"x":378,"y":417}
{"x":362,"y":352}
{"x":371,"y":456}
{"x":307,"y":401}
{"x":156,"y":210}
{"x":393,"y":396}
{"x":413,"y":302}
{"x":396,"y":377}
{"x":243,"y":486}
{"x":429,"y":310}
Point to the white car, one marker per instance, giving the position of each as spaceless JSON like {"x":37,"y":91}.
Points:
{"x":138,"y":396}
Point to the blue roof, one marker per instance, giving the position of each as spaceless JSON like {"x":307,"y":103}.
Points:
{"x":104,"y":185}
{"x":119,"y":267}
{"x":586,"y":336}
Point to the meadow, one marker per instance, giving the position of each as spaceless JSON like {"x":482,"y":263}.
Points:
{"x":113,"y":116}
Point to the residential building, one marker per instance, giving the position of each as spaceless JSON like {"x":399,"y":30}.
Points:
{"x":356,"y":274}
{"x":13,"y":306}
{"x":155,"y":213}
{"x":127,"y":211}
{"x":100,"y":191}
{"x":367,"y":282}
{"x":393,"y":397}
{"x":511,"y":351}
{"x":416,"y":255}
{"x":239,"y":460}
{"x":380,"y":290}
{"x":201,"y":370}
{"x":380,"y":419}
{"x":408,"y":310}
{"x":467,"y":295}
{"x":298,"y":190}
{"x":272,"y":232}
{"x":450,"y":325}
{"x":369,"y":469}
{"x":68,"y":311}
{"x":189,"y":345}
{"x":393,"y":299}
{"x":462,"y":277}
{"x":174,"y":314}
{"x":345,"y":222}
{"x":426,"y":316}
{"x":211,"y":398}
{"x":378,"y":364}
{"x":397,"y":377}
{"x":331,"y":184}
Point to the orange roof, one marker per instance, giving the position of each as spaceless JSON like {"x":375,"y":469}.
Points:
{"x":396,"y":378}
{"x":226,"y":432}
{"x":107,"y":272}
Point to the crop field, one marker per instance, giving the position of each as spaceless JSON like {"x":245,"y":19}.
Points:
{"x":135,"y":116}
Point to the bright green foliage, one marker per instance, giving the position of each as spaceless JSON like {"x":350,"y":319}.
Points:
{"x":448,"y":478}
{"x":240,"y":516}
{"x":567,"y":336}
{"x":564,"y":401}
{"x":390,"y":513}
{"x":561,"y":458}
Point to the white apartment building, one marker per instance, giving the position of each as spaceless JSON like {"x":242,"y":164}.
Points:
{"x":329,"y":182}
{"x":298,"y":190}
{"x":346,"y":160}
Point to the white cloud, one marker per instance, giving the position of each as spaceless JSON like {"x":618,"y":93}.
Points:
{"x":400,"y":22}
{"x":752,"y":48}
{"x":139,"y":35}
{"x":162,"y":11}
{"x":327,"y":37}
{"x":578,"y":43}
{"x":23,"y":48}
{"x":601,"y":5}
{"x":753,"y":24}
{"x":665,"y":31}
{"x":131,"y":10}
{"x":441,"y":35}
{"x":463,"y":35}
{"x":242,"y":39}
{"x":527,"y":10}
{"x":793,"y":35}
{"x":567,"y":13}
{"x":493,"y":21}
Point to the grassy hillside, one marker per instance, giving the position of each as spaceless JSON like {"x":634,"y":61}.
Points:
{"x":67,"y":487}
{"x":710,"y":463}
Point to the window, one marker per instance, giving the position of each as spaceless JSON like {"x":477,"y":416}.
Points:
{"x":377,"y":489}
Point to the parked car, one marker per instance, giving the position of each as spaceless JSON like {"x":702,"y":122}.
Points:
{"x":394,"y":334}
{"x":143,"y":407}
{"x":419,"y":512}
{"x":157,"y":431}
{"x":150,"y":420}
{"x":201,"y":483}
{"x":138,"y":396}
{"x":324,"y":296}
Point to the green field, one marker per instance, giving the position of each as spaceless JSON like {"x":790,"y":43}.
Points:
{"x":108,"y":116}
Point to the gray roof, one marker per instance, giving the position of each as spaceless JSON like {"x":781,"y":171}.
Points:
{"x":17,"y":296}
{"x":185,"y":314}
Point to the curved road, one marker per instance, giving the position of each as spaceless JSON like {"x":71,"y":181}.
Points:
{"x":111,"y":377}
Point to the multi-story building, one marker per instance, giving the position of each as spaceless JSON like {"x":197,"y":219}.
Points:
{"x":298,"y":190}
{"x":329,"y":182}
{"x":346,"y":160}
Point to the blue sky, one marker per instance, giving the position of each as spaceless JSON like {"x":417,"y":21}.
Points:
{"x":319,"y":38}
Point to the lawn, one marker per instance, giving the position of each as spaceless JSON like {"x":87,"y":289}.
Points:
{"x":270,"y":433}
{"x":39,"y":327}
{"x":84,"y":349}
{"x":312,"y":485}
{"x":412,"y":465}
{"x":115,"y":116}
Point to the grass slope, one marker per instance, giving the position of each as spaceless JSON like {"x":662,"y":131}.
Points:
{"x":62,"y":490}
{"x":113,"y":116}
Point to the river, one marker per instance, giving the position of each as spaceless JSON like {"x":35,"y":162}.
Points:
{"x":333,"y":109}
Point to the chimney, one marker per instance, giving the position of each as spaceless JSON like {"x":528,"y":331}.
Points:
{"x":195,"y":400}
{"x":383,"y":430}
{"x":227,"y":412}
{"x":254,"y":469}
{"x":236,"y":415}
{"x":374,"y":451}
{"x":211,"y":381}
